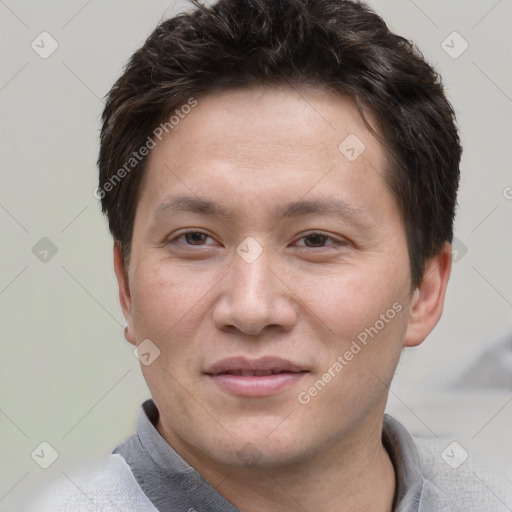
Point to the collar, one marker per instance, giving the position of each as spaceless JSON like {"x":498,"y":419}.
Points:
{"x":171,"y":484}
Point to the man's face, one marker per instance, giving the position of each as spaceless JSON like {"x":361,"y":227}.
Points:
{"x":269,"y":282}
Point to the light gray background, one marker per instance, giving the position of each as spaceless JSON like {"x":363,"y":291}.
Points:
{"x":67,"y":375}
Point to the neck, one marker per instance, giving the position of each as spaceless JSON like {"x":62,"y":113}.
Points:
{"x":355,"y":474}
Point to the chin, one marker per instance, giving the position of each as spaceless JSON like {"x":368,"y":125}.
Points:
{"x":262,"y":442}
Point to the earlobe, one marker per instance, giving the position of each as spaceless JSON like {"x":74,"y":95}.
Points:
{"x":124,"y":293}
{"x":428,"y":299}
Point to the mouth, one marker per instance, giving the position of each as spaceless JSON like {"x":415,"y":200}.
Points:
{"x":255,"y":373}
{"x":255,"y":378}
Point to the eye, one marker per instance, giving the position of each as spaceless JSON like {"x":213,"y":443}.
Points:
{"x":318,"y":240}
{"x":190,"y":237}
{"x":312,"y":240}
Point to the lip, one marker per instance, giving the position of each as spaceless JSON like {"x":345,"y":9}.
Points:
{"x":255,"y":378}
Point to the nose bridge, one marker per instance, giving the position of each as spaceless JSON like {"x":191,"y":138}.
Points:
{"x":251,"y":285}
{"x":252,"y":298}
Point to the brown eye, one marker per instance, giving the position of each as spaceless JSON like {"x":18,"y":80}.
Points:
{"x":319,"y":240}
{"x":189,"y":239}
{"x":195,"y":237}
{"x":316,"y":240}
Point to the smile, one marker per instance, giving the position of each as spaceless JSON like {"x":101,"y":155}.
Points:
{"x":255,"y":378}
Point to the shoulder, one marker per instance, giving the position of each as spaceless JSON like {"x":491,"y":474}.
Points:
{"x":109,"y":486}
{"x":453,"y":474}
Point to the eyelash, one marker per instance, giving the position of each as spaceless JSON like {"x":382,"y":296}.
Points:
{"x":337,"y":243}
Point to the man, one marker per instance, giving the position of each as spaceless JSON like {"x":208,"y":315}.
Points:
{"x":280,"y":180}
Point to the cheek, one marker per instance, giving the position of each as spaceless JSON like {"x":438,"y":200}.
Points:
{"x":348,"y":301}
{"x":168,"y":310}
{"x":368,"y":311}
{"x":369,"y":319}
{"x":166,"y":300}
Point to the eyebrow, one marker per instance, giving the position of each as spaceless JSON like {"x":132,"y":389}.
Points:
{"x":324,"y":206}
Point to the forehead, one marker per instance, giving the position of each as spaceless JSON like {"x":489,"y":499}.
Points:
{"x":242,"y":121}
{"x":266,"y":141}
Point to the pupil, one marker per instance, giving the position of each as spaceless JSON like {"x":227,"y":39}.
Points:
{"x":195,"y":237}
{"x":317,"y":239}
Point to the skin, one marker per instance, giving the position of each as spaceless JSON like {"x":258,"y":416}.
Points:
{"x":304,"y":298}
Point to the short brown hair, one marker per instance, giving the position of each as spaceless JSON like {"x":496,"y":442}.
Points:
{"x":340,"y":44}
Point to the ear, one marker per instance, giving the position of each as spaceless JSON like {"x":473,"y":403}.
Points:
{"x":428,"y":299}
{"x":124,"y":293}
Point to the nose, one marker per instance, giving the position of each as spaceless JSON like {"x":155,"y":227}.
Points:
{"x":255,"y":298}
